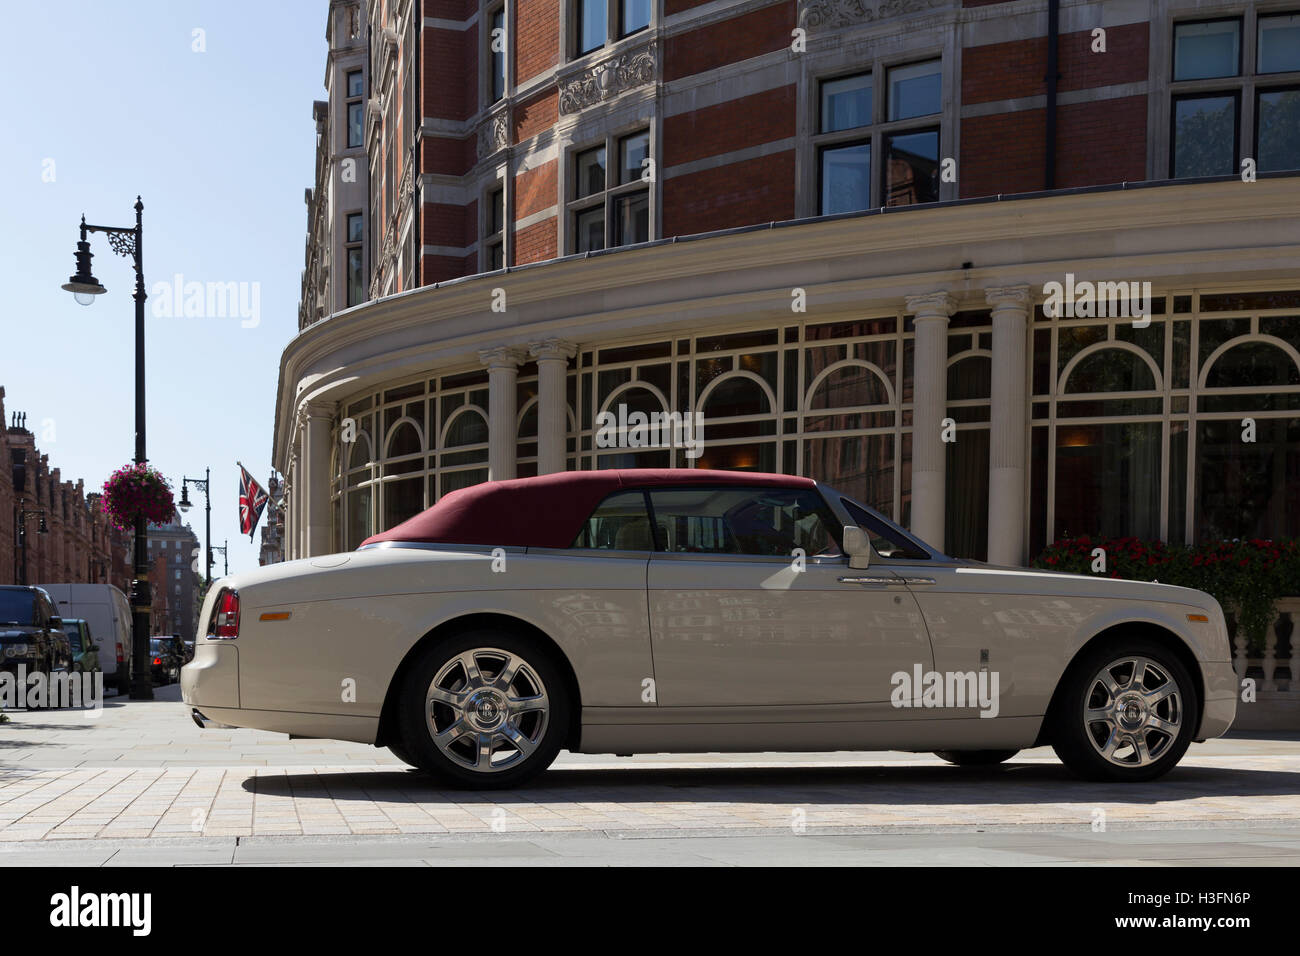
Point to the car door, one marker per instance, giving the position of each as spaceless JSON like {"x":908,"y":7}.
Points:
{"x":737,"y":620}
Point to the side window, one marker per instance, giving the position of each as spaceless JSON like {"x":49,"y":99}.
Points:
{"x":768,"y":522}
{"x":619,"y":523}
{"x":887,"y":540}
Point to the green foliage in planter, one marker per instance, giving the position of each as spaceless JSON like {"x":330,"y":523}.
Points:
{"x":1245,"y":577}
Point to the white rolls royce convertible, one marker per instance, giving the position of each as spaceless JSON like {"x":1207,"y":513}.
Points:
{"x":684,"y":610}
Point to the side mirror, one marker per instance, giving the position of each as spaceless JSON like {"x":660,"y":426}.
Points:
{"x":857,"y":546}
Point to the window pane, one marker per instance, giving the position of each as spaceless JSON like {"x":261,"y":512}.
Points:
{"x":912,"y":168}
{"x":496,"y":258}
{"x":632,"y":219}
{"x":355,"y":115}
{"x":1248,"y":489}
{"x":636,"y":15}
{"x":1279,"y":44}
{"x":402,"y":499}
{"x":846,"y":103}
{"x":591,"y":171}
{"x":1205,"y":128}
{"x":1108,"y":480}
{"x":356,"y":281}
{"x":846,"y":178}
{"x":914,"y":90}
{"x":496,"y":43}
{"x":358,"y":517}
{"x":354,"y":227}
{"x":966,"y":527}
{"x":591,"y":25}
{"x":632,"y":151}
{"x":1279,"y":130}
{"x":590,"y":227}
{"x":620,"y":522}
{"x":860,"y":465}
{"x":770,"y":522}
{"x":1203,"y":50}
{"x":496,"y":214}
{"x":355,"y":86}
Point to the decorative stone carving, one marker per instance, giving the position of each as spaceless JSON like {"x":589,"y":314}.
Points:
{"x":502,"y":356}
{"x":609,"y":78}
{"x":493,"y":134}
{"x":845,"y":13}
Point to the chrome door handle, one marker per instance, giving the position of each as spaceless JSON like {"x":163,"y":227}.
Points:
{"x":912,"y":581}
{"x":870,"y":580}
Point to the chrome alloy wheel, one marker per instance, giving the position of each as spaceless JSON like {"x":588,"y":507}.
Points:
{"x":1133,"y":711}
{"x":487,"y":709}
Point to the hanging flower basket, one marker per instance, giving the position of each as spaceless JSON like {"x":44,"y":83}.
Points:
{"x":134,"y":491}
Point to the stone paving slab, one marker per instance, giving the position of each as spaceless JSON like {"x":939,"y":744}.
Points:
{"x":143,"y":770}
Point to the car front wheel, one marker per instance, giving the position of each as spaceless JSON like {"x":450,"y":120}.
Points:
{"x":483,"y":710}
{"x":1128,"y":713}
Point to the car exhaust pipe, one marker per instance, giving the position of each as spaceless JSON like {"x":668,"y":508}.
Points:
{"x":198,"y":718}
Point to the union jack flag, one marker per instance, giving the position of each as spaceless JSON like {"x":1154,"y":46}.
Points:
{"x":252,"y":499}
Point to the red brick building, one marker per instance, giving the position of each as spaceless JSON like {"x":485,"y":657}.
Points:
{"x":77,"y":543}
{"x":830,"y":227}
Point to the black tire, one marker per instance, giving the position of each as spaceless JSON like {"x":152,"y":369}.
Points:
{"x":1080,"y":744}
{"x":975,"y":758}
{"x":545,"y":735}
{"x":398,"y":751}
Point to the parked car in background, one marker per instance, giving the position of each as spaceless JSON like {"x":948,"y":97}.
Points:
{"x":165,"y":660}
{"x":658,"y":610}
{"x":85,"y":652}
{"x":31,"y":632}
{"x":108,"y":613}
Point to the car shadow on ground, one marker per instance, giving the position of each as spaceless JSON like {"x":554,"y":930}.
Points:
{"x":1010,"y":783}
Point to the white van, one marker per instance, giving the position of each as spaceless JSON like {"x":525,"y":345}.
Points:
{"x":108,"y":612}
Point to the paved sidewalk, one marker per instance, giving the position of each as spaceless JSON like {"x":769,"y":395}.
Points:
{"x":144,"y":770}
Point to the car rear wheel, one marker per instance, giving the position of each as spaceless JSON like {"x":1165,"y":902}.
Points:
{"x":483,"y":710}
{"x":975,"y":758}
{"x":1128,"y":713}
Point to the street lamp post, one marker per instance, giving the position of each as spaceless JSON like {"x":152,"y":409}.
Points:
{"x":21,"y":515}
{"x":225,"y":562}
{"x":202,"y":485}
{"x":127,"y":241}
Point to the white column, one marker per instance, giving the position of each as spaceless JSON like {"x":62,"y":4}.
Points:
{"x":930,"y":389}
{"x":503,"y":369}
{"x":552,"y":423}
{"x":316,"y":489}
{"x":1007,"y":423}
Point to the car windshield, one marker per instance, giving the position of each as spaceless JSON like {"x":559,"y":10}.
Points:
{"x":16,"y":606}
{"x":156,"y":645}
{"x":73,"y":630}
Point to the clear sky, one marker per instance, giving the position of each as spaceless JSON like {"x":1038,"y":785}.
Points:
{"x":113,"y":99}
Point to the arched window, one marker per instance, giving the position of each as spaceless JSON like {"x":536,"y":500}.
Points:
{"x":1252,"y":365}
{"x":469,"y":427}
{"x":1111,"y":370}
{"x":849,"y":386}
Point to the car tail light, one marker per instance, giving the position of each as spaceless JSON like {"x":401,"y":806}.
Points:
{"x":121,"y":657}
{"x":157,"y":662}
{"x":227,"y":621}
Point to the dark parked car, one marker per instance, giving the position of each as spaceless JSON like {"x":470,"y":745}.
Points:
{"x":165,"y":659}
{"x":85,"y":651}
{"x":31,"y":632}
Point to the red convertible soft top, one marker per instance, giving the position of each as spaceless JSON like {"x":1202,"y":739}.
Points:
{"x":548,"y":511}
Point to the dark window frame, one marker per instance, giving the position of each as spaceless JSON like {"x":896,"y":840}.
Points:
{"x":1260,"y":92}
{"x":878,"y":130}
{"x":350,"y":246}
{"x":354,"y":101}
{"x":1175,"y":98}
{"x":615,"y":189}
{"x":1239,"y":19}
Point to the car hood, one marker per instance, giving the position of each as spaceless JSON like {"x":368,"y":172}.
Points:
{"x":17,"y":632}
{"x":1098,"y":584}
